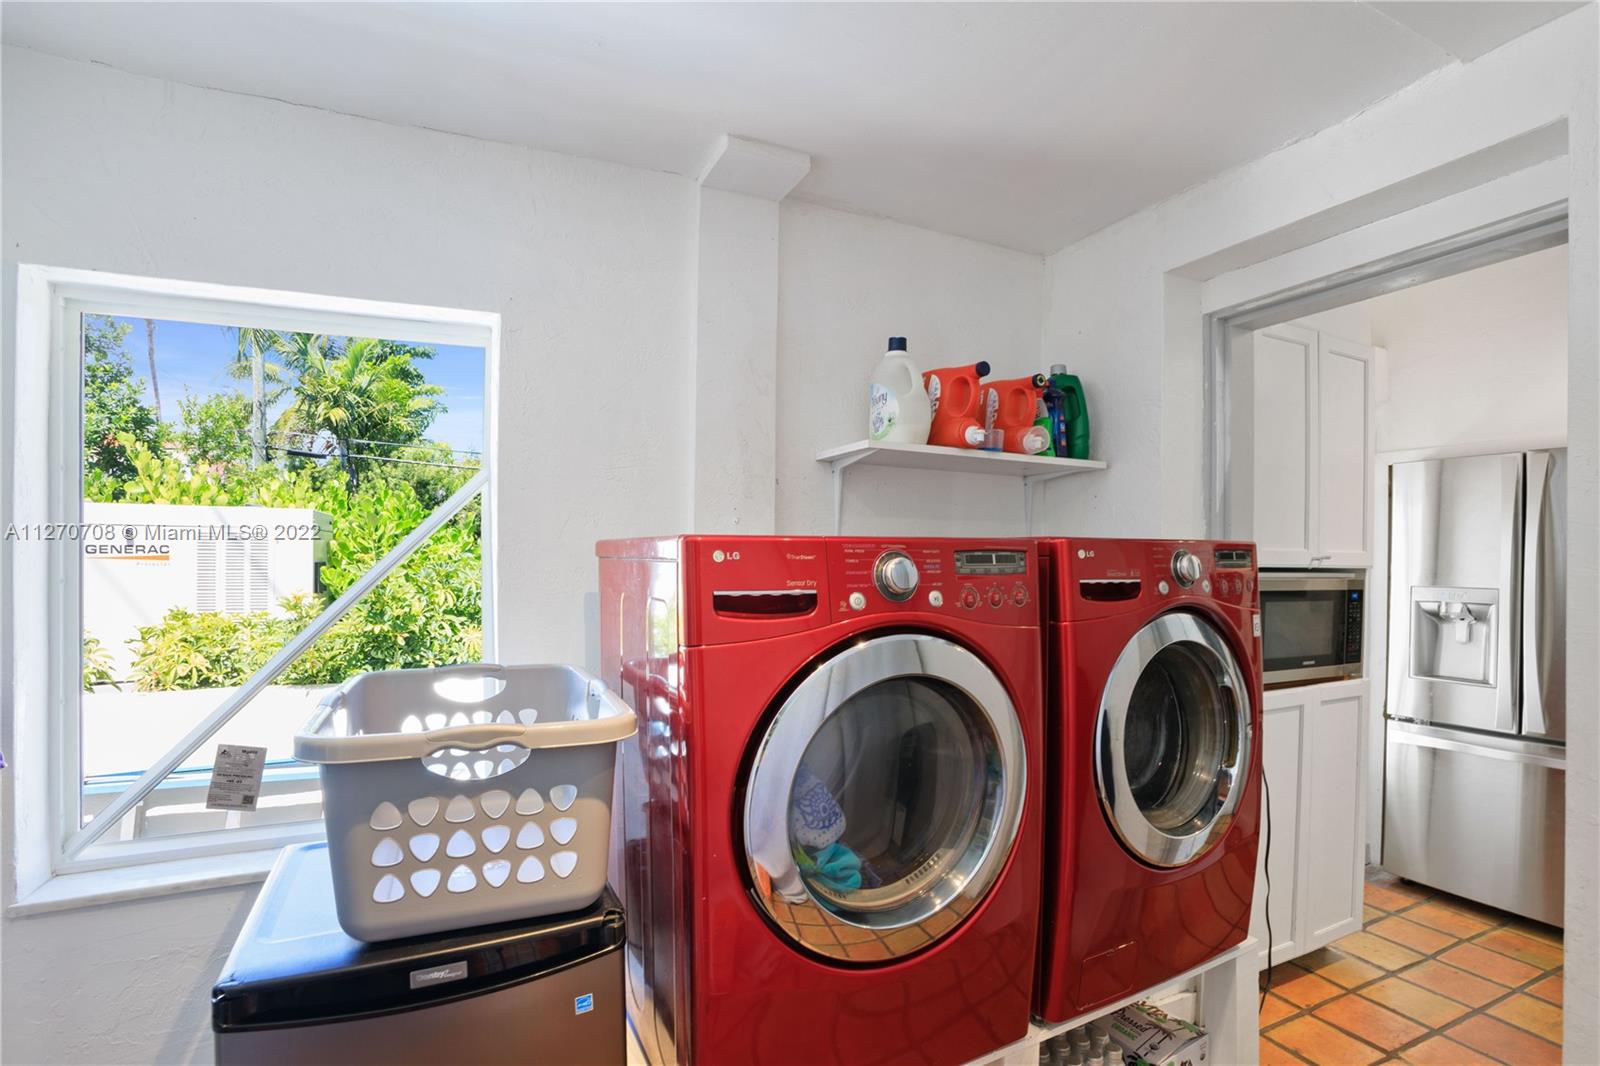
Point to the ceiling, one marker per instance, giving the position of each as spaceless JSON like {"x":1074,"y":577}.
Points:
{"x":1025,"y":125}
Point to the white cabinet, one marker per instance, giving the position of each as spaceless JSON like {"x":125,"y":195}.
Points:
{"x":1314,"y":762}
{"x":1301,"y":447}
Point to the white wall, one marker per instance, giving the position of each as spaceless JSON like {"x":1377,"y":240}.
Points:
{"x":599,"y":272}
{"x":1480,"y":357}
{"x":846,"y":285}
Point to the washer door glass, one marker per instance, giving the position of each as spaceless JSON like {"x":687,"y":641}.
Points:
{"x":884,"y":798}
{"x":1173,"y":740}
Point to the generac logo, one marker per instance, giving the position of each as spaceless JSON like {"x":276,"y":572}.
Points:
{"x":161,"y":553}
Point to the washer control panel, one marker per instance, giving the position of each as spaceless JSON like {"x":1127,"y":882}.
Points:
{"x":1187,"y":567}
{"x":895,"y":575}
{"x":988,"y":582}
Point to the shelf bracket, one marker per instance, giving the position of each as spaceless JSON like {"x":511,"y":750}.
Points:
{"x":838,"y":467}
{"x":1028,"y":483}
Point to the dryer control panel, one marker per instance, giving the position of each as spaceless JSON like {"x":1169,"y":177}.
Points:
{"x":1107,"y":576}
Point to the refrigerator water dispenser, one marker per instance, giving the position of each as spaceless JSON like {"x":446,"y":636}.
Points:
{"x":1454,"y":633}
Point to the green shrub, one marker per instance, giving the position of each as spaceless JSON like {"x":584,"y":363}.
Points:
{"x":189,"y":649}
{"x":96,"y":664}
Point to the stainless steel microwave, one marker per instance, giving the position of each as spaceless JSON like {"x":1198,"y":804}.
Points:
{"x":1311,"y":625}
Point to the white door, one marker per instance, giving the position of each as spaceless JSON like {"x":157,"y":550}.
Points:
{"x":1313,"y":764}
{"x":1283,"y":365}
{"x":1334,"y":816}
{"x":1172,"y":740}
{"x":886,"y":791}
{"x":1343,"y":447}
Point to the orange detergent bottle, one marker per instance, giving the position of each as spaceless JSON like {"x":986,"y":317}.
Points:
{"x":953,"y":393}
{"x":1015,"y":402}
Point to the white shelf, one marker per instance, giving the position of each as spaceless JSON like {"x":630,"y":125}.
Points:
{"x":955,"y":460}
{"x":1227,"y":1001}
{"x":1032,"y":469}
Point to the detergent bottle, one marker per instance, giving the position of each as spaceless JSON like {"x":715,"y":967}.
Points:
{"x":1043,"y":418}
{"x":897,"y":408}
{"x":953,"y":394}
{"x":1015,"y":403}
{"x":1071,"y":413}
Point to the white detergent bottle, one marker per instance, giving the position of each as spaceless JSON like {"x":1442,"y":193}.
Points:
{"x":898,"y":408}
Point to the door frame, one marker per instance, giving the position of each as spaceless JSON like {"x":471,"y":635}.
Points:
{"x":1518,"y":235}
{"x":1508,"y":238}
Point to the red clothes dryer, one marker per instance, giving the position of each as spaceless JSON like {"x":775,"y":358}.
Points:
{"x":828,"y":825}
{"x":1153,"y":716}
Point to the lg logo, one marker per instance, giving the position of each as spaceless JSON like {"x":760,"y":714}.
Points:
{"x":720,"y":556}
{"x":1085,"y":554}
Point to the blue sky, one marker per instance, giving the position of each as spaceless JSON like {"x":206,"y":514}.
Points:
{"x":194,"y":356}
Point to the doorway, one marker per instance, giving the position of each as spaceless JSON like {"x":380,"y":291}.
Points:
{"x":1394,"y":377}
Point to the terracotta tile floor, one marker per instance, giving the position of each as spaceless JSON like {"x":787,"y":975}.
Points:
{"x":1430,"y":979}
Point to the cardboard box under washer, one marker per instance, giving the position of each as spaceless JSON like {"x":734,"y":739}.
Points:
{"x":1149,"y":1036}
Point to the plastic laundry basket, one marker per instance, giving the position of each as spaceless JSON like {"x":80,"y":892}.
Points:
{"x":465,"y":795}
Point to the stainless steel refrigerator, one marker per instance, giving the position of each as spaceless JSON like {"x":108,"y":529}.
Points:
{"x":1474,"y":769}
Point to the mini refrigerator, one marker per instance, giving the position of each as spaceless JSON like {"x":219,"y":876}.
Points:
{"x":1475,"y":759}
{"x":296,"y":989}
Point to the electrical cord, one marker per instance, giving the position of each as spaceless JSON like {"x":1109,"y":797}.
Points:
{"x":1266,"y":873}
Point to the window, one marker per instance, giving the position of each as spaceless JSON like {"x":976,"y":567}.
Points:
{"x":236,"y":499}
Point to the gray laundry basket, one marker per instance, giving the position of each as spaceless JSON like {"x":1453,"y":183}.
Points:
{"x":465,"y":795}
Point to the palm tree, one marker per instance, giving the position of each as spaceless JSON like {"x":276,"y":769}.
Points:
{"x":366,"y":398}
{"x":254,"y":344}
{"x":150,"y":346}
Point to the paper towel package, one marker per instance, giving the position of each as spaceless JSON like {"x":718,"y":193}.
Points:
{"x":1149,"y":1036}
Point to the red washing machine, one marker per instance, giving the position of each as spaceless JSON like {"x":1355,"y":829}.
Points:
{"x":828,"y":827}
{"x":1153,"y":785}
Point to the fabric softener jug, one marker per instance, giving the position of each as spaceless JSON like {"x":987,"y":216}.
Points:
{"x":954,"y":395}
{"x":897,"y":407}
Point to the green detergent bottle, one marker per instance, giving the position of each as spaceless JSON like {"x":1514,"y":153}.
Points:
{"x":1076,"y":411}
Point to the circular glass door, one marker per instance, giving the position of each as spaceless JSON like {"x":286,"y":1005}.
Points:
{"x":1172,"y":740}
{"x":884,"y":798}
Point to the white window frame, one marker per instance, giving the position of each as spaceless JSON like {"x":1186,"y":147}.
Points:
{"x":49,"y":868}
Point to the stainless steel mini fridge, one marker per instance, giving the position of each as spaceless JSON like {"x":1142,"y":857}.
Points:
{"x":1474,"y":769}
{"x":296,"y":989}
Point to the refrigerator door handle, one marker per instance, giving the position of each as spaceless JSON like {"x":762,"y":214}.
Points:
{"x":1508,"y":690}
{"x":1536,"y":486}
{"x":1528,"y":752}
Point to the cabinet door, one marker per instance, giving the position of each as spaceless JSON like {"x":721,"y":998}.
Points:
{"x":1343,"y":454}
{"x":1334,"y":796}
{"x":1283,"y":366}
{"x":1283,"y":742}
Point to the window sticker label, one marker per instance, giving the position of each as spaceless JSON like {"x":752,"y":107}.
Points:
{"x":236,"y":778}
